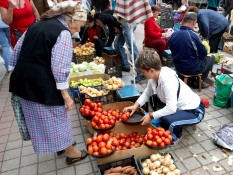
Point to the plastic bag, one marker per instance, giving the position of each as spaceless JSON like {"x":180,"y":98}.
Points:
{"x":223,"y":86}
{"x":224,"y":137}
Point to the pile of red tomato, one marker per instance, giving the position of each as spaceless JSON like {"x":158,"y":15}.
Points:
{"x":125,"y":116}
{"x":89,"y":108}
{"x":103,"y":144}
{"x":157,"y":137}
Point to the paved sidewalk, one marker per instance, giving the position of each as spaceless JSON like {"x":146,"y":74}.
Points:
{"x":193,"y":155}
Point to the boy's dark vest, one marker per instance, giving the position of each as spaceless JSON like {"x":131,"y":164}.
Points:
{"x":32,"y":78}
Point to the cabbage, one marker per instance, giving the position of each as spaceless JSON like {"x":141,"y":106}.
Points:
{"x":85,"y":63}
{"x":75,"y":67}
{"x":81,"y":67}
{"x":72,"y":64}
{"x":71,"y":70}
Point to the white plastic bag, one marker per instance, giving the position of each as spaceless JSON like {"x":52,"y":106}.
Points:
{"x":224,"y":137}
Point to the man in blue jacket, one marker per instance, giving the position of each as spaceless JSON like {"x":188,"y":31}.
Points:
{"x":212,"y":25}
{"x":188,"y":53}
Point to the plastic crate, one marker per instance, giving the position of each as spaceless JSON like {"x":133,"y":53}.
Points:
{"x":130,"y":161}
{"x":87,"y":58}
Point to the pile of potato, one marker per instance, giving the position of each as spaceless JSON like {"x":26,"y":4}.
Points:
{"x":126,"y":170}
{"x":159,"y":164}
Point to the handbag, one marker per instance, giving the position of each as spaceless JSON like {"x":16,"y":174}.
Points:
{"x":19,"y":116}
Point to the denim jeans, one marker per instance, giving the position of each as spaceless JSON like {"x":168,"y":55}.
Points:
{"x":121,"y":39}
{"x":6,"y":46}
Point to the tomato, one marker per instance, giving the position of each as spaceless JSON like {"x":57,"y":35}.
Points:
{"x":99,"y":139}
{"x":95,"y":153}
{"x":103,"y":151}
{"x":95,"y":148}
{"x":94,"y":139}
{"x":106,"y":121}
{"x":114,"y":113}
{"x":122,"y":141}
{"x":99,"y":105}
{"x":90,"y":150}
{"x":127,"y":114}
{"x":140,"y":140}
{"x":86,"y":112}
{"x":124,"y":117}
{"x":102,"y":126}
{"x":160,"y":133}
{"x":94,"y":144}
{"x":167,"y":141}
{"x":150,"y":136}
{"x":162,"y":129}
{"x":166,"y":134}
{"x":170,"y":137}
{"x":122,"y":135}
{"x":145,"y":138}
{"x":102,"y":144}
{"x":81,"y":109}
{"x":108,"y":146}
{"x":91,"y":105}
{"x":109,"y":110}
{"x":154,"y":132}
{"x":99,"y":109}
{"x":89,"y":141}
{"x":107,"y":126}
{"x":154,"y":144}
{"x":112,"y":122}
{"x":95,"y":109}
{"x":127,"y":144}
{"x":105,"y":113}
{"x":106,"y":137}
{"x":163,"y":138}
{"x":149,"y":142}
{"x":148,"y":129}
{"x":162,"y":144}
{"x":115,"y":142}
{"x":92,"y":113}
{"x":95,"y":119}
{"x":87,"y":102}
{"x":101,"y":121}
{"x":159,"y":140}
{"x":167,"y":131}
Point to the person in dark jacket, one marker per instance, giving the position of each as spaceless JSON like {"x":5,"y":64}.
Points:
{"x":99,"y":5}
{"x":212,"y":25}
{"x":228,"y":6}
{"x":106,"y":19}
{"x":188,"y":53}
{"x":94,"y":34}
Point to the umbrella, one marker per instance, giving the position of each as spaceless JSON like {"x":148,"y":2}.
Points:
{"x":132,"y":11}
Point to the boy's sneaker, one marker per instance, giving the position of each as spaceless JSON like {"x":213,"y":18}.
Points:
{"x":175,"y":142}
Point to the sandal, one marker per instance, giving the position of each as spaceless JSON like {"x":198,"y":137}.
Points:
{"x":69,"y":160}
{"x":63,"y":151}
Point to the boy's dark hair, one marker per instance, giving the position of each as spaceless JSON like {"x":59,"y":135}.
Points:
{"x":90,"y":19}
{"x":148,"y":59}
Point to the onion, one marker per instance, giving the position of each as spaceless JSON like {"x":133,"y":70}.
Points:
{"x":172,"y":167}
{"x":170,"y":173}
{"x":166,"y":163}
{"x":157,"y":163}
{"x":177,"y":172}
{"x":146,"y":170}
{"x":144,"y":164}
{"x":159,"y":170}
{"x":166,"y":170}
{"x":168,"y":156}
{"x":153,"y":157}
{"x":148,"y":161}
{"x":153,"y":173}
{"x":152,"y":166}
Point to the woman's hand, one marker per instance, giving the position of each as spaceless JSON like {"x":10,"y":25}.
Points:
{"x":146,"y":119}
{"x":164,"y":35}
{"x":131,"y":108}
{"x":69,"y":103}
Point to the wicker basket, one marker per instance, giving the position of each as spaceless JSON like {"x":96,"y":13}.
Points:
{"x":82,"y":58}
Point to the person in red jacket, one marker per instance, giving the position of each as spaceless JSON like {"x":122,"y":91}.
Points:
{"x":94,"y":34}
{"x":155,"y":37}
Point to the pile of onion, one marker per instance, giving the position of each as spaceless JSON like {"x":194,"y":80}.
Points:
{"x":159,"y":164}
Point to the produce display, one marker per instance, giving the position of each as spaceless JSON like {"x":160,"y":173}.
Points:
{"x":119,"y":170}
{"x":159,"y":164}
{"x":102,"y":144}
{"x":99,"y":60}
{"x":157,"y":137}
{"x":85,"y":66}
{"x":85,"y":49}
{"x":93,"y":92}
{"x":113,"y":83}
{"x":111,"y":141}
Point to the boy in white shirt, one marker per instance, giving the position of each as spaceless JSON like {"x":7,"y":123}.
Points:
{"x":182,"y":105}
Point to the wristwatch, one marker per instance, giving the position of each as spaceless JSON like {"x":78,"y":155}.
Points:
{"x":151,"y":116}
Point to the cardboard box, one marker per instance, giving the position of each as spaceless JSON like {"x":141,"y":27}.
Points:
{"x":228,"y":47}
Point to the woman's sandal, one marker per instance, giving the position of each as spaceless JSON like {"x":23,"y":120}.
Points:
{"x":69,"y":160}
{"x":63,"y":151}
